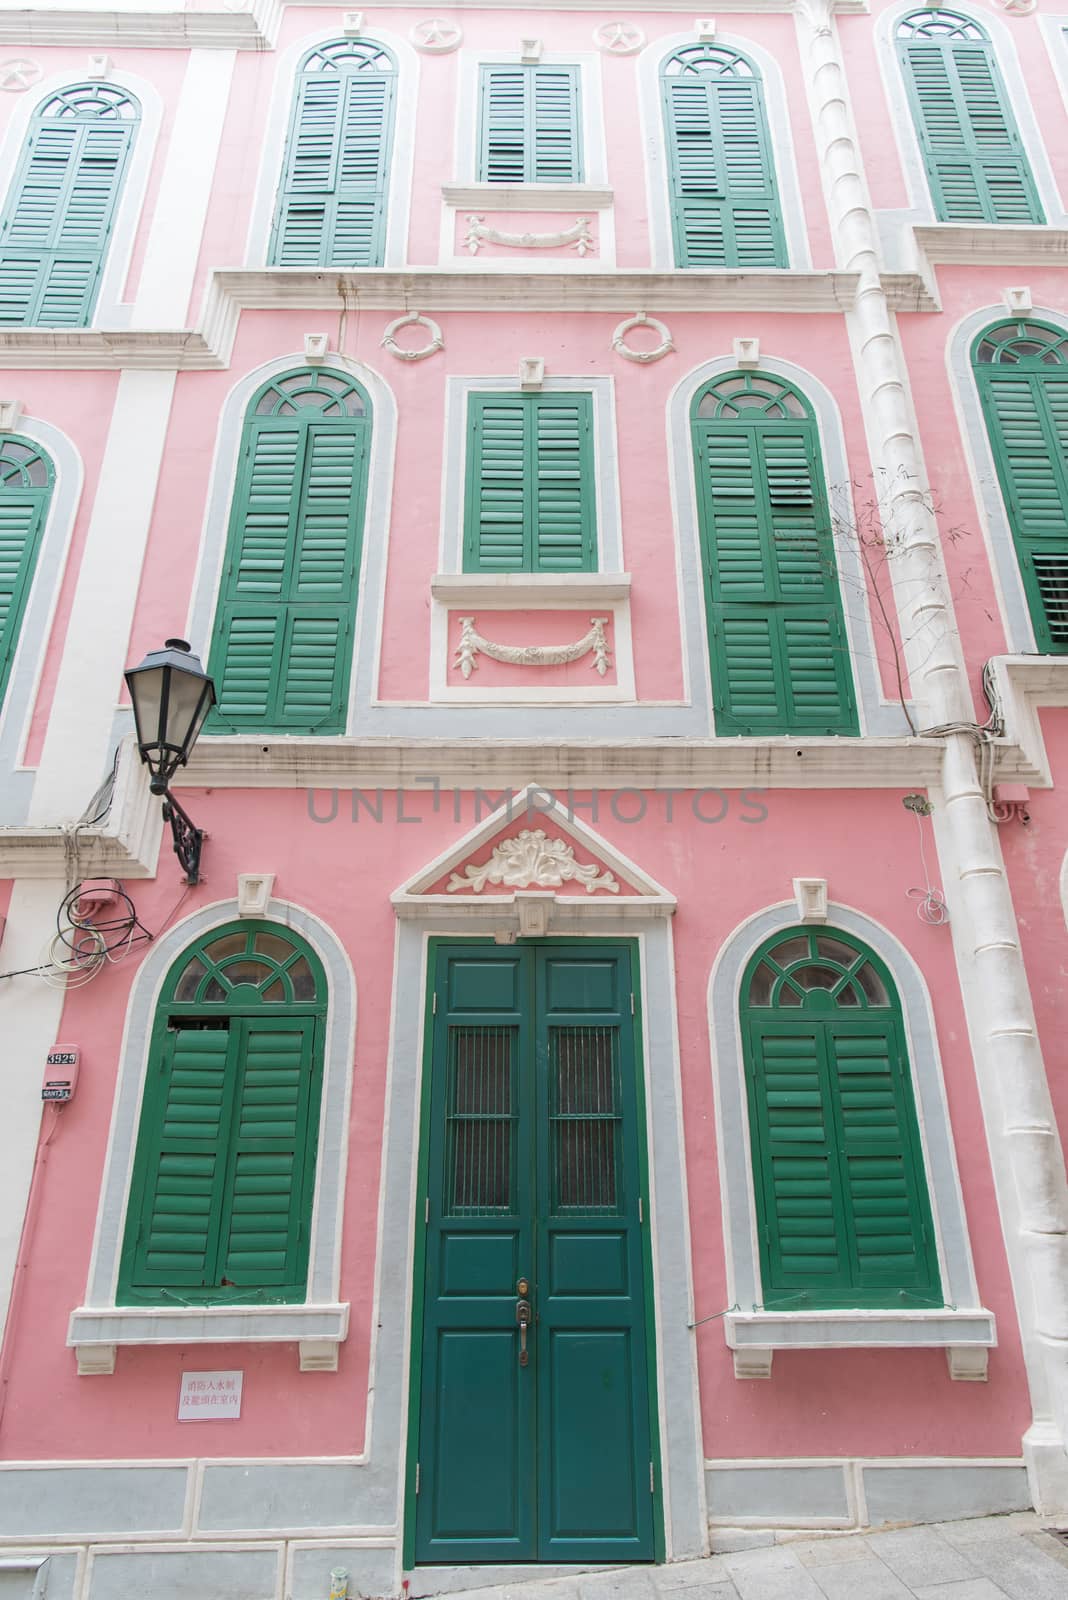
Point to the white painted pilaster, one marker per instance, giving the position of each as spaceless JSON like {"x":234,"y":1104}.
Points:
{"x":29,"y":1018}
{"x":182,"y":205}
{"x":1026,"y":1153}
{"x":76,"y":747}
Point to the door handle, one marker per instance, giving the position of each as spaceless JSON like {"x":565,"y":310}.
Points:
{"x":523,"y":1317}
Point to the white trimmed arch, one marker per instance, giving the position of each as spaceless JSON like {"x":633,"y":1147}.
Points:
{"x":878,"y":715}
{"x":91,"y":1324}
{"x":964,"y":1320}
{"x":276,"y":127}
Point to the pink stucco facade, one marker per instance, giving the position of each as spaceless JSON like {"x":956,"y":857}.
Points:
{"x":863,"y":1414}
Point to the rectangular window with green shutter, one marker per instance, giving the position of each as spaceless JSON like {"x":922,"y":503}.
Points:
{"x":529,"y":125}
{"x":225,"y":1172}
{"x":530,"y":502}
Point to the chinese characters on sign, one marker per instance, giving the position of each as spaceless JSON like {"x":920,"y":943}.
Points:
{"x":207,"y":1396}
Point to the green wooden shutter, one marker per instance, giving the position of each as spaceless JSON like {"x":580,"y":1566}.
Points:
{"x":23,"y":508}
{"x":332,"y":201}
{"x":780,"y":655}
{"x":529,"y":125}
{"x":724,"y":200}
{"x":530,"y":497}
{"x":283,"y":636}
{"x":59,"y":216}
{"x":226,"y":1160}
{"x":976,"y":164}
{"x":1027,"y":419}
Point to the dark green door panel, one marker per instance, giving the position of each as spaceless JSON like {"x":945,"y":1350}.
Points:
{"x":533,"y":1171}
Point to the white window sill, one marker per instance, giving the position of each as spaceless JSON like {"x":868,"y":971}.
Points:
{"x":754,"y":1336}
{"x":514,"y":589}
{"x":528,"y":196}
{"x":95,"y":1333}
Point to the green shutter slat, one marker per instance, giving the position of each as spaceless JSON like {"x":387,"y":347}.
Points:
{"x":58,"y":218}
{"x":23,"y":509}
{"x":837,"y":1165}
{"x":269,"y":1154}
{"x":283,"y":635}
{"x":780,"y":656}
{"x":530,"y":500}
{"x":332,"y":199}
{"x":724,"y":200}
{"x":976,"y":165}
{"x":1027,"y":419}
{"x":529,"y":125}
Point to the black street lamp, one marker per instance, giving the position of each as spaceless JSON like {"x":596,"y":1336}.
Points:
{"x":171,"y":694}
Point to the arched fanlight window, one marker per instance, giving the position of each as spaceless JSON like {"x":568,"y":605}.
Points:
{"x":331,"y":209}
{"x":224,"y":1175}
{"x":26,"y":481}
{"x":976,"y":164}
{"x":780,"y":654}
{"x":55,"y":227}
{"x":725,"y":208}
{"x":843,"y":1212}
{"x":282,"y":642}
{"x":1021,"y":368}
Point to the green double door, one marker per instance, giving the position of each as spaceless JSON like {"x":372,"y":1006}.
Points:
{"x":534,"y":1437}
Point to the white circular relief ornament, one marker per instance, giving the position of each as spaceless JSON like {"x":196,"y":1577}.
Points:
{"x":436,"y":36}
{"x":19,"y":74}
{"x":657,"y":353}
{"x":618,"y":38}
{"x":413,"y":319}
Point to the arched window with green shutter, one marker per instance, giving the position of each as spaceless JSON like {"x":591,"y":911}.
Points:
{"x":1021,"y":368}
{"x":282,"y":642}
{"x":725,"y":208}
{"x":27,"y":477}
{"x":331,"y":209}
{"x":976,"y":164}
{"x":55,"y":227}
{"x":780,"y":654}
{"x":529,"y":125}
{"x":224,"y":1172}
{"x":843,"y":1212}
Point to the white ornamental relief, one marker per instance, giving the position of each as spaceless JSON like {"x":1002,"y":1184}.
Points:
{"x":532,"y":860}
{"x":411,"y":320}
{"x":619,"y":38}
{"x":1017,"y":8}
{"x":19,"y":74}
{"x":436,"y":36}
{"x":579,"y":235}
{"x":472,"y":644}
{"x":640,"y":320}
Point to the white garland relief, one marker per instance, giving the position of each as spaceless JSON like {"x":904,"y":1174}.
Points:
{"x":532,"y":860}
{"x":411,"y":320}
{"x":619,"y":38}
{"x":472,"y":644}
{"x":479,"y":234}
{"x":640,"y":320}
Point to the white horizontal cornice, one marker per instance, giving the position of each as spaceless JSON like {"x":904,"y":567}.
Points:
{"x":253,"y":29}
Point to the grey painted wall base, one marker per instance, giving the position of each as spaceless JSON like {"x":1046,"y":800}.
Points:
{"x":860,"y":1494}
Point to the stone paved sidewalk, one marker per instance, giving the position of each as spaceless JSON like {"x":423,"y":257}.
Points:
{"x":990,"y":1558}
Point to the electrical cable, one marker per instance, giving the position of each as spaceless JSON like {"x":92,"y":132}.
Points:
{"x":931,"y":904}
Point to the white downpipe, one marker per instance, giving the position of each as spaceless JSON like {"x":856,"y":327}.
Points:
{"x":1027,"y":1157}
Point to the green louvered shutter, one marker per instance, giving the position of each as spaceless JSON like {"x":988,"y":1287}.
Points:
{"x":225,"y":1163}
{"x":976,"y":164}
{"x":724,"y":201}
{"x":843,"y":1211}
{"x":1027,"y":418}
{"x":780,"y":655}
{"x":26,"y":478}
{"x":530,"y":498}
{"x":283,"y":636}
{"x":58,"y":218}
{"x":332,"y":202}
{"x":529,"y":125}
